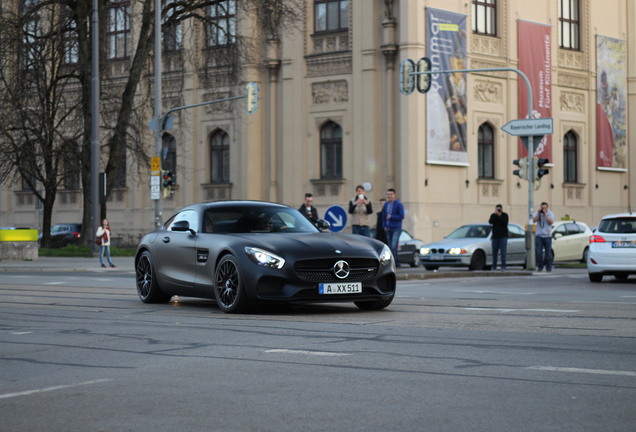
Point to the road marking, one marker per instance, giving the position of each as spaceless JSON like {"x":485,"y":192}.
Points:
{"x":579,"y":370}
{"x":303,"y":352}
{"x":493,"y":292}
{"x":21,"y":333}
{"x":48,"y":389}
{"x":522,"y":310}
{"x":54,"y":283}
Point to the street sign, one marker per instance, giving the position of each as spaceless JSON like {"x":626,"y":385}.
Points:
{"x":155,"y":165}
{"x":529,"y":127}
{"x":155,"y":187}
{"x":337,"y":217}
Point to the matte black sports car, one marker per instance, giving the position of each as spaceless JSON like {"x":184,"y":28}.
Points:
{"x":244,"y":252}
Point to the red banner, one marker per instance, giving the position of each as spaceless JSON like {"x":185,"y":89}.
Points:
{"x":535,"y":61}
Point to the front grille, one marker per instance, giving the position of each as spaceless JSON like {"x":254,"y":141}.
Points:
{"x":440,"y":251}
{"x":321,"y":270}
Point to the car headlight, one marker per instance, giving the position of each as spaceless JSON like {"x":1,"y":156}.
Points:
{"x":386,"y":256}
{"x":264,"y":258}
{"x":425,"y":251}
{"x":457,"y":251}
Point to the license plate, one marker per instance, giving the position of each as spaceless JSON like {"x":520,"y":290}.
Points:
{"x":340,"y":288}
{"x":437,"y":257}
{"x":624,"y":244}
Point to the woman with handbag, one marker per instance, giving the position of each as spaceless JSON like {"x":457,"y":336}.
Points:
{"x":103,"y":240}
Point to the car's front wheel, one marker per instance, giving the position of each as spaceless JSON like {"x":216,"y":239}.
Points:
{"x":146,"y":278}
{"x":478,"y":261}
{"x":229,"y":289}
{"x":374,"y":305}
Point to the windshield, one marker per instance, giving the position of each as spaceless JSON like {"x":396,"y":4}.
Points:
{"x":470,"y":231}
{"x":251,"y":219}
{"x":618,"y":225}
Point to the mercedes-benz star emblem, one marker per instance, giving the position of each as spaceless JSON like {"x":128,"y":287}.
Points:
{"x":341,"y":269}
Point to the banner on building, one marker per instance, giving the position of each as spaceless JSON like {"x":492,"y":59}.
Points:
{"x":535,"y":61}
{"x":446,"y":104}
{"x":611,"y":106}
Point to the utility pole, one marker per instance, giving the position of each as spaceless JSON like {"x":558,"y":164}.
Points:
{"x":158,"y":96}
{"x":95,"y":150}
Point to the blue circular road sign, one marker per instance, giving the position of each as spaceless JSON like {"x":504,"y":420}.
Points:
{"x":337,"y":217}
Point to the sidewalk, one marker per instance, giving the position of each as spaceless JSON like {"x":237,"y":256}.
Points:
{"x":68,"y":264}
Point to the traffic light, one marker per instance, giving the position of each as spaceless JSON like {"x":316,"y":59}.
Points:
{"x":407,"y":80}
{"x":423,"y":80}
{"x":252,"y":97}
{"x":168,"y":179}
{"x":539,"y":170}
{"x":523,"y":168}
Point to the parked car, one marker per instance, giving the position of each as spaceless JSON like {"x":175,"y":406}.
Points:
{"x":612,"y":249}
{"x":245,"y":252}
{"x":470,"y":246}
{"x":571,"y":240}
{"x":65,"y":234}
{"x":408,"y":248}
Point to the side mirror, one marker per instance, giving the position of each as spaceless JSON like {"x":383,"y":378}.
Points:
{"x":322,"y":224}
{"x":181,"y":226}
{"x":557,"y":235}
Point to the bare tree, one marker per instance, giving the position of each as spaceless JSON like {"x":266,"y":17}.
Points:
{"x":39,"y":129}
{"x":125,"y":105}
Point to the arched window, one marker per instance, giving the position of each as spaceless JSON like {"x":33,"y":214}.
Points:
{"x":486,"y":150}
{"x":570,"y":158}
{"x":169,"y":155}
{"x":330,"y":151}
{"x":219,"y":157}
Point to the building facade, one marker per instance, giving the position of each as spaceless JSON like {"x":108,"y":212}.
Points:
{"x":331,"y":114}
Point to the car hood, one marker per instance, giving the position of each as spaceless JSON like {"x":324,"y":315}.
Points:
{"x":315,"y":245}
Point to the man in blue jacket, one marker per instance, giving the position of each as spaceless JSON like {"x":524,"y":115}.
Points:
{"x":392,"y":217}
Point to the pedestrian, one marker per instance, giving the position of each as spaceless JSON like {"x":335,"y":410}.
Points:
{"x":103,"y":237}
{"x":308,"y":209}
{"x":360,"y":207}
{"x":499,"y":238}
{"x":544,"y":218}
{"x":392,"y":217}
{"x":380,"y":234}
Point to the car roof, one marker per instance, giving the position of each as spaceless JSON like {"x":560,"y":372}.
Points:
{"x":233,"y":203}
{"x":619,"y":215}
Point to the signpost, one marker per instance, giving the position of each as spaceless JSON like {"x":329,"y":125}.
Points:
{"x":529,"y":127}
{"x":155,"y":177}
{"x":337,"y":218}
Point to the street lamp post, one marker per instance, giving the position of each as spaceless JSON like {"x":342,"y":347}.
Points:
{"x":158,"y":117}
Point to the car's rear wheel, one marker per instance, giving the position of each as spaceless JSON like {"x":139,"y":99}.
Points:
{"x":415,"y":262}
{"x":229,"y":289}
{"x":478,"y":261}
{"x":595,"y":277}
{"x":584,"y":258}
{"x":146,"y":278}
{"x":374,"y":305}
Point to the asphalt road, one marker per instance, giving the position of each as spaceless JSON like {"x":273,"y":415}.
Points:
{"x":549,"y":352}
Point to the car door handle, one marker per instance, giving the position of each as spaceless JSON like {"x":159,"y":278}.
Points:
{"x":166,"y":239}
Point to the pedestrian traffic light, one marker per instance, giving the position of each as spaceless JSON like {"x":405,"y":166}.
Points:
{"x":539,"y":169}
{"x":168,"y":179}
{"x":523,"y":168}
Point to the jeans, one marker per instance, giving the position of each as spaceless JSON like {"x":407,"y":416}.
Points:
{"x":543,"y":247}
{"x":393,"y":240}
{"x":499,"y":245}
{"x":362,"y":230}
{"x":103,"y":249}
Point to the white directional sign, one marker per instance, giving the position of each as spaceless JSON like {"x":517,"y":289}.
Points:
{"x":155,"y":187}
{"x":529,"y":127}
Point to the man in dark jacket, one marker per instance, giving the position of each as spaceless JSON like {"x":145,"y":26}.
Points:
{"x":392,"y":217}
{"x":308,"y":210}
{"x":499,"y":239}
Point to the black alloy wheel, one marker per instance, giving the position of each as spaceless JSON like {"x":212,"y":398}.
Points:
{"x":146,"y":281}
{"x":415,"y":262}
{"x":229,"y":290}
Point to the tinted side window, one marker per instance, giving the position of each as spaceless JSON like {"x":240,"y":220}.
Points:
{"x":186,"y":215}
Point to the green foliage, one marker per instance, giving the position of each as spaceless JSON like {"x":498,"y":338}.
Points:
{"x":83,"y":251}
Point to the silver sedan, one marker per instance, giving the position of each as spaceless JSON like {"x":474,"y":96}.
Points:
{"x":470,"y":246}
